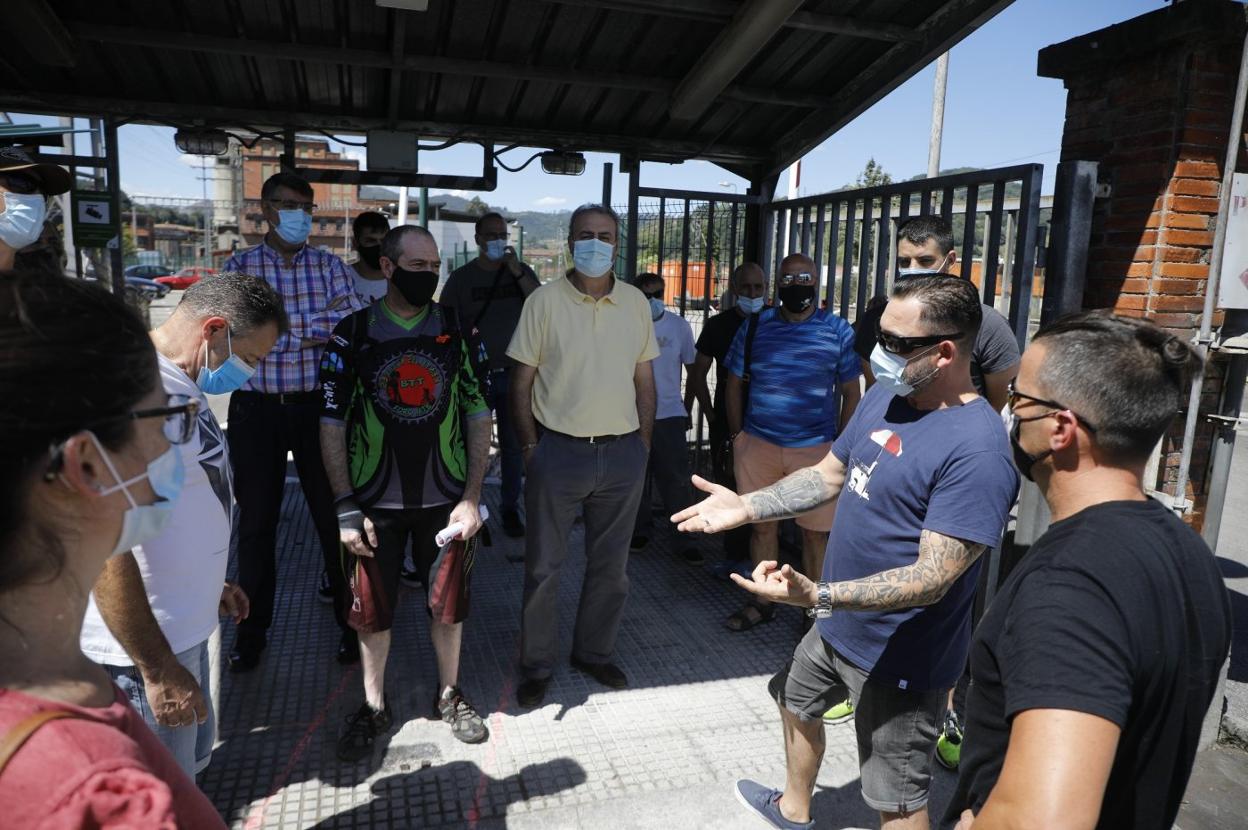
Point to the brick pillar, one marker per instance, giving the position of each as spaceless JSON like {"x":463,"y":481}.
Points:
{"x":1150,"y":100}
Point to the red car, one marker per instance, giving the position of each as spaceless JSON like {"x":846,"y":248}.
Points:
{"x":186,"y":277}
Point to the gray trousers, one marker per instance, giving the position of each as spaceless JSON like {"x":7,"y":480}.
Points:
{"x":668,"y":472}
{"x":605,"y":480}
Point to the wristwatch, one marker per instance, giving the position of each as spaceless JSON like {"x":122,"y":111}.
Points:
{"x":823,"y":602}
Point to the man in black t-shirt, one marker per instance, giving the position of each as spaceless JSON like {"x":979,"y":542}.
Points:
{"x":748,"y":285}
{"x":1094,"y":666}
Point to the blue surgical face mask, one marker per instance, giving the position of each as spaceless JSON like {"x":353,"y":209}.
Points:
{"x":750,"y":305}
{"x":495,"y":249}
{"x":21,"y":222}
{"x":593,"y":257}
{"x":144,"y":522}
{"x":656,"y":308}
{"x":293,"y":226}
{"x":229,"y":376}
{"x":903,"y":273}
{"x":890,"y":369}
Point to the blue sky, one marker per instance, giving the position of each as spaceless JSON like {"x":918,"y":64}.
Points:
{"x":997,"y":112}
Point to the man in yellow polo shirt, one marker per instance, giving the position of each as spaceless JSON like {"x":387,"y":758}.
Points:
{"x":583,"y":378}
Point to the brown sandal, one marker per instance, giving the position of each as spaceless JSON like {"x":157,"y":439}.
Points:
{"x":743,"y":621}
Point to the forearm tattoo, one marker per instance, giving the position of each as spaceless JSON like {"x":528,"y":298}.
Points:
{"x":942,"y":559}
{"x":790,"y":496}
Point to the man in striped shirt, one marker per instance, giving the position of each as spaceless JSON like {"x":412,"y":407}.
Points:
{"x":278,"y":411}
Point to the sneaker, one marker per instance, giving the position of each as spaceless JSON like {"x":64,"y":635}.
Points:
{"x":692,"y":556}
{"x":840,"y":713}
{"x":638,"y":543}
{"x":325,"y":591}
{"x":363,"y":727}
{"x":409,"y":576}
{"x":512,"y":525}
{"x":949,"y":744}
{"x":765,"y":803}
{"x":466,"y":724}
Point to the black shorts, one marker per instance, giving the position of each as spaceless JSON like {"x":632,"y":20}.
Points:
{"x":393,"y":528}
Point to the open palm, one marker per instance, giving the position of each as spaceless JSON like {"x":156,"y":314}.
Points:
{"x":722,"y":510}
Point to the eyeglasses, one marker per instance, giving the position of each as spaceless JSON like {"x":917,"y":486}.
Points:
{"x":180,"y":413}
{"x":291,"y":204}
{"x":896,"y":344}
{"x":1013,"y":396}
{"x":804,"y":278}
{"x":22,"y":183}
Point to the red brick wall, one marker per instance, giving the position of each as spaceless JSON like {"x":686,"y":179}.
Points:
{"x":1157,"y":125}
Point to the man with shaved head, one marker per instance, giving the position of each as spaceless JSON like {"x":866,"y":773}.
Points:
{"x":784,"y":410}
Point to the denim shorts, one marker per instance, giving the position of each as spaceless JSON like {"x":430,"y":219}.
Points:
{"x":190,"y":745}
{"x":897,"y":729}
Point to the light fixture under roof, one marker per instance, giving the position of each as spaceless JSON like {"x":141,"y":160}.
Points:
{"x":405,"y":5}
{"x":563,"y":163}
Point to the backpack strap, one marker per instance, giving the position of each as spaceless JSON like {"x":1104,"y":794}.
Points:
{"x":18,"y":735}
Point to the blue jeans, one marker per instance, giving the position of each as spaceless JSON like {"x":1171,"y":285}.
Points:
{"x":508,"y":443}
{"x":190,"y":745}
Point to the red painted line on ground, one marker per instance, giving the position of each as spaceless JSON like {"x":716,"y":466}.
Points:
{"x":496,"y":730}
{"x":255,"y":820}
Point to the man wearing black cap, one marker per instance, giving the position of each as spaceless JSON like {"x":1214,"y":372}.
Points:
{"x":25,"y":187}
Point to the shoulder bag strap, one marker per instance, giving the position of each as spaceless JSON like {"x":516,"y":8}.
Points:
{"x":15,"y":737}
{"x":751,"y":326}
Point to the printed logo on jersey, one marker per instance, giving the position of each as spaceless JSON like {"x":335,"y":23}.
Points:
{"x":409,"y":386}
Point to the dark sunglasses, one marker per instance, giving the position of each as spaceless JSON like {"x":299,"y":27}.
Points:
{"x":22,"y":183}
{"x":895,"y":344}
{"x":657,"y":295}
{"x":1013,"y":396}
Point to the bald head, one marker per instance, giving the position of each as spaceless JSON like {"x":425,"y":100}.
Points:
{"x":797,"y":264}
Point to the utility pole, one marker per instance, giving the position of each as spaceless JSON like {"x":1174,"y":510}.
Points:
{"x":938,"y":115}
{"x":203,"y":179}
{"x":403,"y":205}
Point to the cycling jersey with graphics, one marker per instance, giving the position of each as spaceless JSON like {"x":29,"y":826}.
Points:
{"x":403,"y":389}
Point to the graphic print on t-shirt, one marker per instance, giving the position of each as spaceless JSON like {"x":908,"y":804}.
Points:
{"x":860,"y":472}
{"x":214,"y":459}
{"x":412,"y":384}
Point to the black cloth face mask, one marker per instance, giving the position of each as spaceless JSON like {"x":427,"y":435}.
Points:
{"x":796,"y":298}
{"x":417,"y":287}
{"x":370,"y":255}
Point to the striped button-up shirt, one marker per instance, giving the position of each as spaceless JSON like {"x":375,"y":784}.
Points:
{"x":317,"y":292}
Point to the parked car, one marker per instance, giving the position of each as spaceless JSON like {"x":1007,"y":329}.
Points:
{"x":186,"y":277}
{"x":138,"y":287}
{"x":148,"y":272}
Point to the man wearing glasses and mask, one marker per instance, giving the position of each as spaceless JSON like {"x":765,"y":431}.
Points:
{"x":278,"y":411}
{"x":923,"y":482}
{"x":24,"y":187}
{"x":783,"y":408}
{"x":154,"y":607}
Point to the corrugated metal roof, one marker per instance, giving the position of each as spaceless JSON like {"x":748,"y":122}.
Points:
{"x":576,"y":74}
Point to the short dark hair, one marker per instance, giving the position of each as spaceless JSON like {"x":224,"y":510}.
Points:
{"x":949,"y":304}
{"x":369,"y":219}
{"x":592,"y":207}
{"x":1126,"y":377}
{"x":247,"y":302}
{"x":649,"y":277}
{"x":287,"y":180}
{"x":922,"y":228}
{"x":392,"y":242}
{"x":476,"y":228}
{"x":72,"y":357}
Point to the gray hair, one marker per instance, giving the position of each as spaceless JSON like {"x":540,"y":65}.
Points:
{"x":247,"y":302}
{"x":592,"y":207}
{"x":392,"y":242}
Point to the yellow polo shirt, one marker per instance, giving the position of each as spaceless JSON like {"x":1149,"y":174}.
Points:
{"x":585,"y":352}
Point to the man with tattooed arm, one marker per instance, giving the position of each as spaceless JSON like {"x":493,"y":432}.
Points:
{"x":925,"y":482}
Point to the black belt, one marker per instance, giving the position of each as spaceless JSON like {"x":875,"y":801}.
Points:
{"x":312,"y":396}
{"x":592,"y":439}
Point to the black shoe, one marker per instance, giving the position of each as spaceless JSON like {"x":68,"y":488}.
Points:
{"x":466,"y":724}
{"x":363,"y":727}
{"x":512,"y":525}
{"x":532,"y":691}
{"x":411,"y":577}
{"x":325,"y":591}
{"x":245,"y":655}
{"x":349,"y":648}
{"x":692,"y":556}
{"x":638,"y":543}
{"x":608,"y":674}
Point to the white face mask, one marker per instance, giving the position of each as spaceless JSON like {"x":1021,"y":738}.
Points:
{"x":750,"y":305}
{"x":890,"y":369}
{"x":21,"y":222}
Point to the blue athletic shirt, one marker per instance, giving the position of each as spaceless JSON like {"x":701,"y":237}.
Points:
{"x":909,"y":470}
{"x":794,"y":372}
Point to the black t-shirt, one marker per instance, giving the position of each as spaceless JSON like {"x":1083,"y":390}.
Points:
{"x":1120,"y":612}
{"x":717,"y":335}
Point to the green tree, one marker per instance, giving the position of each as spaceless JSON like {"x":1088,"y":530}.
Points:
{"x":477,"y":207}
{"x":873,"y":175}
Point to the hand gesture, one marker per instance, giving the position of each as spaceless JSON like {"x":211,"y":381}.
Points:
{"x":359,"y":543}
{"x":467,"y":512}
{"x":512,"y":263}
{"x":174,"y":696}
{"x":966,"y":821}
{"x":723,"y":510}
{"x":776,"y":584}
{"x":234,"y":603}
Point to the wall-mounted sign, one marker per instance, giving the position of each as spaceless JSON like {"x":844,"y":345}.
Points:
{"x":94,"y":223}
{"x":1233,"y":283}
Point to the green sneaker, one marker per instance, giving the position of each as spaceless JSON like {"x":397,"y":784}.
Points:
{"x":949,"y":744}
{"x":840,"y":713}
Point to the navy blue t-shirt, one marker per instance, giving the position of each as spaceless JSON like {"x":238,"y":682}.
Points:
{"x":908,"y":470}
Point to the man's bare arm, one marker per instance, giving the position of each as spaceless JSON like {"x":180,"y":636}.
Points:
{"x":851,"y":395}
{"x":643,"y":386}
{"x":522,"y":377}
{"x":996,"y":386}
{"x":696,"y":382}
{"x":480,"y":429}
{"x":334,"y":454}
{"x":122,"y":600}
{"x":801,"y":492}
{"x":942,"y":559}
{"x":734,"y":402}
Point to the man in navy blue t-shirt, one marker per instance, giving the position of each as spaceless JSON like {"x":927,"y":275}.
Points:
{"x":925,"y":484}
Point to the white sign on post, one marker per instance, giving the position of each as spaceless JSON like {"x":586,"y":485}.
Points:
{"x":93,"y":212}
{"x":1233,"y":282}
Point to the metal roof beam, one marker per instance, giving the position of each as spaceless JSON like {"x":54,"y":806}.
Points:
{"x":755,"y":23}
{"x":34,"y":25}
